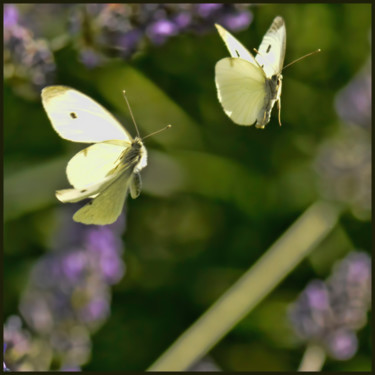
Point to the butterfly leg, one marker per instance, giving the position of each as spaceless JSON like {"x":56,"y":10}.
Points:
{"x":279,"y":108}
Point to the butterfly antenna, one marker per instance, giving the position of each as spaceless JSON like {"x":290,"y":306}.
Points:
{"x":131,"y":113}
{"x":309,"y":54}
{"x":158,"y":131}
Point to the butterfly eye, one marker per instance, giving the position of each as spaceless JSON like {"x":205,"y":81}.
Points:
{"x":73,"y":115}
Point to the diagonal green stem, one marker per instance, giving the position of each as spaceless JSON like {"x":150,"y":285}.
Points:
{"x":313,"y":359}
{"x":301,"y":238}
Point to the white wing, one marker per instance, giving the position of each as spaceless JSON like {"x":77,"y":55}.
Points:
{"x":272,"y":49}
{"x":241,"y":89}
{"x":107,"y":206}
{"x":235,"y":48}
{"x":95,"y":163}
{"x":79,"y":118}
{"x":76,"y":195}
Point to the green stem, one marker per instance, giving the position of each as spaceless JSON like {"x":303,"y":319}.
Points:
{"x":301,"y":238}
{"x":313,"y":359}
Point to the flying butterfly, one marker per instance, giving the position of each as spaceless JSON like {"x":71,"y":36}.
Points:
{"x":248,"y":87}
{"x":105,"y":171}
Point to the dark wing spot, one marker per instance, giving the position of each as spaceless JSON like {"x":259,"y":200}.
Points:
{"x":73,"y":115}
{"x":238,"y":55}
{"x":268,"y":48}
{"x":83,"y":191}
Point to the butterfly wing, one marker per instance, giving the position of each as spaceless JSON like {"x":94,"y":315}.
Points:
{"x":235,"y":47}
{"x":79,"y":118}
{"x":94,"y":163}
{"x":241,"y":89}
{"x":272,"y":49}
{"x":76,"y":195}
{"x":107,"y":206}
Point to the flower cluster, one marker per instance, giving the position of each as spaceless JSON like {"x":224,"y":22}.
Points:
{"x":343,"y":162}
{"x":100,"y":32}
{"x":329,"y":313}
{"x":353,"y":102}
{"x":28,"y":62}
{"x":68,"y":295}
{"x":105,"y":30}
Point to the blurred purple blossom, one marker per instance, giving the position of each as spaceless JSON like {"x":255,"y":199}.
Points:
{"x":353,"y":102}
{"x":122,"y":29}
{"x":343,"y":163}
{"x":206,"y":10}
{"x":100,"y":32}
{"x":68,"y":295}
{"x":159,"y":31}
{"x":28,"y":62}
{"x":10,"y":16}
{"x":329,"y":313}
{"x":18,"y":343}
{"x":236,"y":21}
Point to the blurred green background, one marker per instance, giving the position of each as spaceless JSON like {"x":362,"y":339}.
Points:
{"x":215,"y":195}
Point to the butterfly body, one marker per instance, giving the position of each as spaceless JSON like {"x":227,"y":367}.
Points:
{"x":248,"y":87}
{"x":103,"y":172}
{"x":273,"y":93}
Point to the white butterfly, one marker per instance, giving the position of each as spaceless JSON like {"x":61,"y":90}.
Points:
{"x":104,"y":171}
{"x":248,"y":87}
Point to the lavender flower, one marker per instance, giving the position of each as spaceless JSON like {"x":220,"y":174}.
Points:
{"x":343,"y":163}
{"x":353,"y":102}
{"x":122,"y":29}
{"x":329,"y":313}
{"x":100,"y":32}
{"x":68,"y":296}
{"x":28,"y":62}
{"x":18,"y":343}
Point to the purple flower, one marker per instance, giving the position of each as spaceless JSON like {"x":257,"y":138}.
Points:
{"x":182,"y":20}
{"x":10,"y":16}
{"x":159,"y":31}
{"x":68,"y":295}
{"x":343,"y":163}
{"x":28,"y":62}
{"x":236,"y":21}
{"x":90,"y":58}
{"x":120,"y":29}
{"x":96,"y":310}
{"x":206,"y":10}
{"x":342,"y":344}
{"x":353,"y":102}
{"x":330,"y":312}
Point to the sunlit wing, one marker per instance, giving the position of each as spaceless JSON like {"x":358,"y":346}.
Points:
{"x":108,"y":205}
{"x":235,"y":47}
{"x":272,"y":49}
{"x":94,"y":163}
{"x":241,"y":89}
{"x":79,"y":118}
